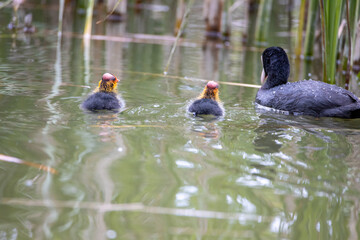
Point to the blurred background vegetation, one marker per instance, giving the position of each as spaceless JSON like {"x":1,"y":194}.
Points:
{"x":324,"y":27}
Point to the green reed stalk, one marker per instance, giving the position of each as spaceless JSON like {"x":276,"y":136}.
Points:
{"x":300,"y":29}
{"x":330,"y":14}
{"x":354,"y":10}
{"x":263,"y":21}
{"x":61,"y":15}
{"x":88,"y":21}
{"x":348,"y":69}
{"x":311,"y":28}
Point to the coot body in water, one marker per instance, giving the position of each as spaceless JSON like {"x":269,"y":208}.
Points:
{"x":305,"y":97}
{"x":105,"y":96}
{"x":208,"y":102}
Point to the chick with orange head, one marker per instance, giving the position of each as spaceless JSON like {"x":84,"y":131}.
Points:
{"x":208,"y":103}
{"x":104,"y":96}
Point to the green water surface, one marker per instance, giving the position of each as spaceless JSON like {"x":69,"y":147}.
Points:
{"x":154,"y":171}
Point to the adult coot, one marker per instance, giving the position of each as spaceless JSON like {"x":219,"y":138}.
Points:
{"x":105,"y":96}
{"x":305,"y":97}
{"x":208,"y":103}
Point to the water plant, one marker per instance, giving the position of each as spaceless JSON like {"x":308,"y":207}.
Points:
{"x":263,"y":21}
{"x":311,"y":28}
{"x":88,"y":21}
{"x":338,"y":29}
{"x":330,"y":20}
{"x":300,"y":29}
{"x":61,"y":15}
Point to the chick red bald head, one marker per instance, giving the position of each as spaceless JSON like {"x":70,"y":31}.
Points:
{"x":212,"y":85}
{"x":211,"y":91}
{"x":109,"y":77}
{"x":108,"y":83}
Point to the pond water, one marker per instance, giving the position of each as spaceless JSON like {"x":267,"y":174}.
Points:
{"x":153,"y":171}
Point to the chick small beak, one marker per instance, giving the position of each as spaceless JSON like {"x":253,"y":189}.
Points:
{"x":117,"y":80}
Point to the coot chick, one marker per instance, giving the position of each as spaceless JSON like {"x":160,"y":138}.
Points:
{"x":208,"y":103}
{"x":105,"y":96}
{"x":305,"y":97}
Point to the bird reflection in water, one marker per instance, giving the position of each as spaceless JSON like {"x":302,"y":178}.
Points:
{"x":275,"y":129}
{"x":209,"y":130}
{"x":105,"y":123}
{"x":268,"y":136}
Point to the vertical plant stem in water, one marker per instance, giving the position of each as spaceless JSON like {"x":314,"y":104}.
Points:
{"x":311,"y":28}
{"x":354,"y":10}
{"x":61,"y":15}
{"x":88,"y":21}
{"x":347,"y":77}
{"x":330,"y":20}
{"x":300,"y":29}
{"x":263,"y":21}
{"x":322,"y":13}
{"x":178,"y":35}
{"x":87,"y":34}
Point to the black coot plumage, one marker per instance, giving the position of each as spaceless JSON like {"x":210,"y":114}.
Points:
{"x":305,"y":97}
{"x":105,"y":96}
{"x":208,"y":102}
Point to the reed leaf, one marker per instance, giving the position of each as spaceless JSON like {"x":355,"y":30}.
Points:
{"x":354,"y":10}
{"x":348,"y":69}
{"x":330,"y":18}
{"x":311,"y":28}
{"x":61,"y":15}
{"x":263,"y":21}
{"x":88,"y":21}
{"x":300,"y":29}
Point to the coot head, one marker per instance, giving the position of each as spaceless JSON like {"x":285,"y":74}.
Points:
{"x":276,"y":67}
{"x":108,"y":83}
{"x":211,"y":91}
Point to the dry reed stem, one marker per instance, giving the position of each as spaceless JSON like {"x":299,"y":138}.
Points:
{"x":184,"y":78}
{"x":10,"y":159}
{"x":111,"y":12}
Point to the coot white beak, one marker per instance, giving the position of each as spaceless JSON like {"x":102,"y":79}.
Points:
{"x":263,"y":77}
